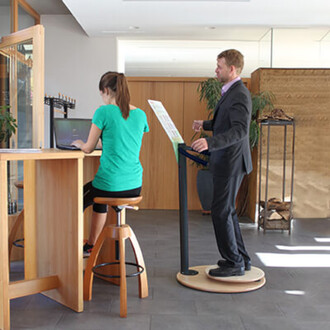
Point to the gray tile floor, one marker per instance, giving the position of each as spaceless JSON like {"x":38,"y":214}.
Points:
{"x":173,"y":306}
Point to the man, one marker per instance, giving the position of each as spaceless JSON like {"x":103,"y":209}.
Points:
{"x":230,"y":160}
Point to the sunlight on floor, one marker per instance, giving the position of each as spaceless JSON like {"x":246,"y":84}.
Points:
{"x":322,"y":239}
{"x":294,"y":260}
{"x":295,"y":292}
{"x":303,"y":248}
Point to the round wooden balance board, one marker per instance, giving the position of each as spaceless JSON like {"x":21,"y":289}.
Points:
{"x":252,"y":280}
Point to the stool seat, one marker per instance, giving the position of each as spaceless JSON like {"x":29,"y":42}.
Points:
{"x":19,"y":184}
{"x":119,"y":233}
{"x":118,"y":201}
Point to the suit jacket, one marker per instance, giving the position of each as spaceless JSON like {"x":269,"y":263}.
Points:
{"x":229,"y":146}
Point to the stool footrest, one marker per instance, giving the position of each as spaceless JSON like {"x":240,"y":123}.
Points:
{"x":16,"y":243}
{"x":94,"y":269}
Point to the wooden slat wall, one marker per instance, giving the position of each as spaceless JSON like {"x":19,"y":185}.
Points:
{"x":181,"y":100}
{"x":305,"y":95}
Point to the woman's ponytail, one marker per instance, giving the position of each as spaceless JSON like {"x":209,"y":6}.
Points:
{"x":122,"y":95}
{"x":117,"y":83}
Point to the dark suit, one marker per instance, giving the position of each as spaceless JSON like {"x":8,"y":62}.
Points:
{"x":230,"y":160}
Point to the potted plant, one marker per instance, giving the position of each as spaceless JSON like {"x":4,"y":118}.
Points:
{"x":210,"y":91}
{"x":7,"y":124}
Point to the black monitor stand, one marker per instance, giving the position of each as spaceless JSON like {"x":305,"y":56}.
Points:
{"x":184,"y":248}
{"x":198,"y":277}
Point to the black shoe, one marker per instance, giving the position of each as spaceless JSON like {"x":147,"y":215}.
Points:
{"x":247,"y":264}
{"x":87,"y":250}
{"x":227,"y":271}
{"x":224,"y":263}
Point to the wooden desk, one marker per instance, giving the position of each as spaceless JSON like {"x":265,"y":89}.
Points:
{"x":53,"y":197}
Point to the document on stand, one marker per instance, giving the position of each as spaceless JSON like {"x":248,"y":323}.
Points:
{"x":167,"y":123}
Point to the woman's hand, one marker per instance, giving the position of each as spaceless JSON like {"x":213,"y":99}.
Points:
{"x":78,"y":143}
{"x":93,"y":138}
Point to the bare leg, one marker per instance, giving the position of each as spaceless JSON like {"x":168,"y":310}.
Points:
{"x":98,"y":222}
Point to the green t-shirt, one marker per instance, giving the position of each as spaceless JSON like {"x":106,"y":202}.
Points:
{"x":120,"y":168}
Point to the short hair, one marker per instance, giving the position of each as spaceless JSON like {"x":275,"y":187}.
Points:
{"x":233,"y":57}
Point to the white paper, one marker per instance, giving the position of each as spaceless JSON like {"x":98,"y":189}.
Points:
{"x":166,"y":121}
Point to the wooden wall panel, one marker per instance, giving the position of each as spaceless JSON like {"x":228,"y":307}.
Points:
{"x":181,"y":100}
{"x":160,"y":176}
{"x":193,"y":110}
{"x":305,"y":95}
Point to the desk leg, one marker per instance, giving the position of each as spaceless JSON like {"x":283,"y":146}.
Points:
{"x":30,"y":225}
{"x":4,"y":269}
{"x":59,"y":216}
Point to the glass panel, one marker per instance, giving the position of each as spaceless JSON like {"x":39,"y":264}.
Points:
{"x":4,"y":17}
{"x":24,"y":19}
{"x":16,"y":90}
{"x":24,"y":85}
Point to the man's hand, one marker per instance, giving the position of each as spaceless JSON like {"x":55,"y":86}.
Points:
{"x":200,"y":145}
{"x":197,"y":125}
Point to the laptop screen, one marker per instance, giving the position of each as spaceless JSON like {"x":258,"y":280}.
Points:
{"x":68,"y":130}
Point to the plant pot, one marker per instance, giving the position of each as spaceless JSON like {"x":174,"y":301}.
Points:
{"x":205,"y":189}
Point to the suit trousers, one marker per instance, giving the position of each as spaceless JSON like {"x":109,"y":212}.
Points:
{"x":225,"y":220}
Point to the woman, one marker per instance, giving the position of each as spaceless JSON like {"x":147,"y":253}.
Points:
{"x":120,"y":127}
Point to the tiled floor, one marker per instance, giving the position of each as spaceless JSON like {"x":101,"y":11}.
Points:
{"x":173,"y":306}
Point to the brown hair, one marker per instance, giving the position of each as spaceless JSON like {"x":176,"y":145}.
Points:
{"x":233,"y":57}
{"x":117,"y":84}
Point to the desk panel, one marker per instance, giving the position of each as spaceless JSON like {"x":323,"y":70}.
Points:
{"x":53,"y":196}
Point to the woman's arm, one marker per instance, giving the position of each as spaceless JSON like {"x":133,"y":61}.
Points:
{"x":93,"y":139}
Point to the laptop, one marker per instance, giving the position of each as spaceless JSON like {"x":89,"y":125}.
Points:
{"x":68,"y":130}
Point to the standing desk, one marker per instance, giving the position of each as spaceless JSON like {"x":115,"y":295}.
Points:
{"x":53,"y":222}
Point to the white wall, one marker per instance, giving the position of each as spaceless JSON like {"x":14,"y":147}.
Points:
{"x":288,"y":48}
{"x":301,"y":48}
{"x":182,"y":58}
{"x":74,"y":64}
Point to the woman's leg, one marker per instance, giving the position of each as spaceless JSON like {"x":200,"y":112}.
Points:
{"x":98,"y":222}
{"x":99,"y":215}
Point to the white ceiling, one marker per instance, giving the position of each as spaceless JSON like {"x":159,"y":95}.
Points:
{"x":188,"y":19}
{"x":196,"y":19}
{"x":183,"y":34}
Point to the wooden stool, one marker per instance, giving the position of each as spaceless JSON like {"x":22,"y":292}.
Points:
{"x":118,"y":232}
{"x":18,"y":222}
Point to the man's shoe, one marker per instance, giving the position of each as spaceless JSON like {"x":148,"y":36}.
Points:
{"x":227,"y":271}
{"x":247,"y":264}
{"x":224,"y":263}
{"x":87,"y":250}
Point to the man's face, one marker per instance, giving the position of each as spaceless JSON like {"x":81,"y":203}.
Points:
{"x":223,"y":71}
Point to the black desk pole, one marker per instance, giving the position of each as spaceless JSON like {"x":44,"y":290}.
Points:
{"x":184,"y":249}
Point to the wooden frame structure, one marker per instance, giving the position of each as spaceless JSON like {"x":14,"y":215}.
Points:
{"x":36,"y":34}
{"x":14,"y":13}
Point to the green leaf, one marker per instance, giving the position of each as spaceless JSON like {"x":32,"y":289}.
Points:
{"x":7,"y":123}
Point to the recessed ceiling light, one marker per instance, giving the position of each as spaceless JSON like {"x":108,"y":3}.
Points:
{"x":210,"y":27}
{"x":131,"y":27}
